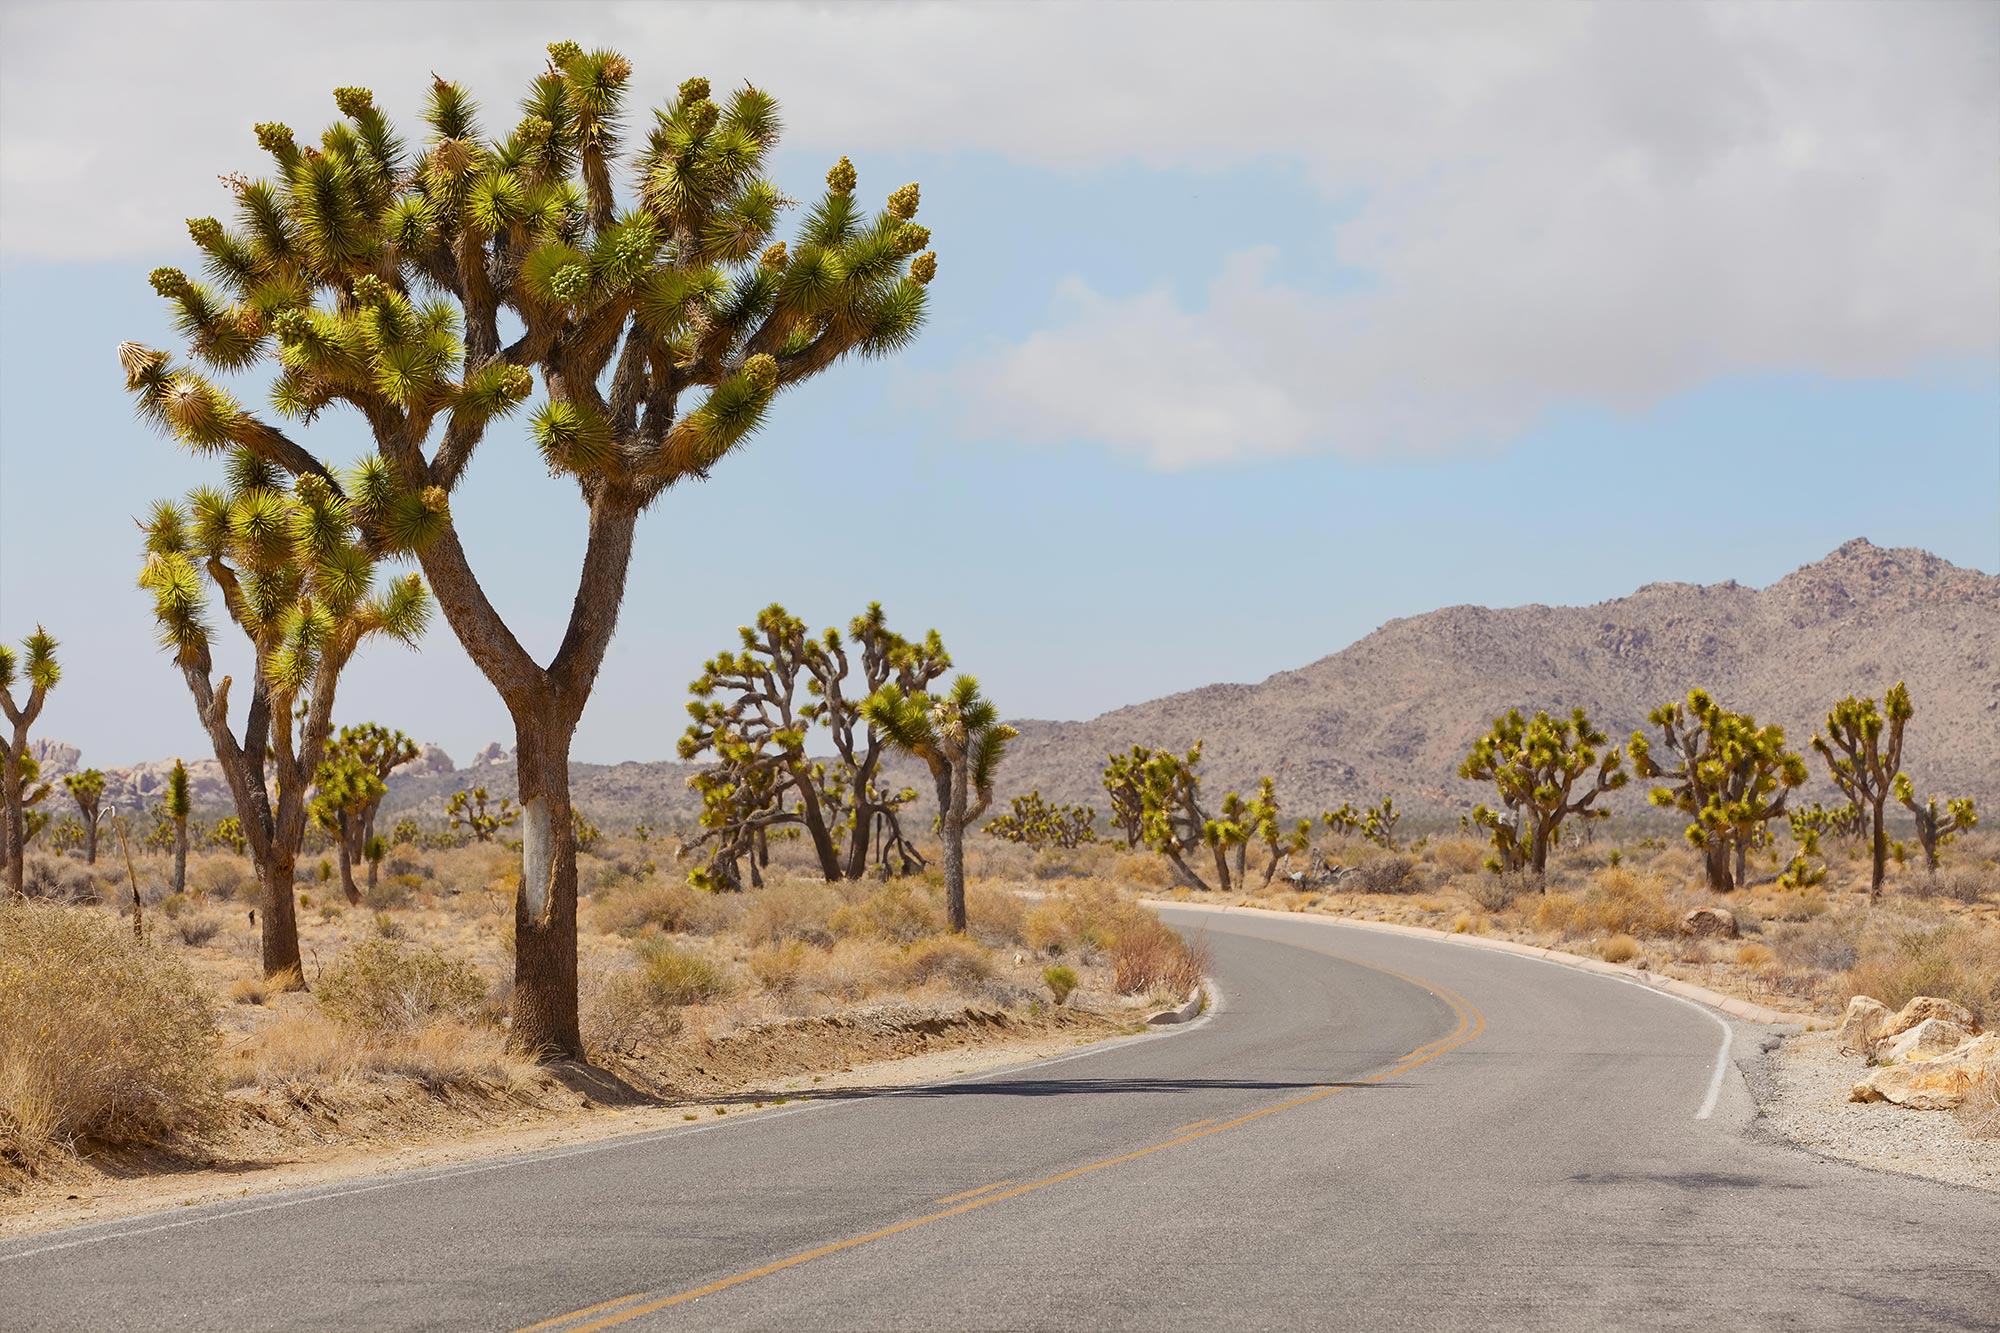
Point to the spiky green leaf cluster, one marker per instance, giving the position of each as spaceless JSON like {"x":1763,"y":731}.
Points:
{"x":1535,"y":766}
{"x":1038,"y":824}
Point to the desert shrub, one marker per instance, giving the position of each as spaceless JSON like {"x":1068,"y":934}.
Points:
{"x":1496,"y":893}
{"x":1618,"y":949}
{"x":1965,"y":884}
{"x":676,"y":907}
{"x":1555,"y":911}
{"x":1980,"y":1111}
{"x":676,"y":976}
{"x":1816,"y":946}
{"x":1958,"y":962}
{"x":386,"y":987}
{"x":780,"y":967}
{"x":391,"y":891}
{"x":100,"y":1037}
{"x":1152,"y":957}
{"x":1459,"y":856}
{"x":309,"y":1048}
{"x":253,"y":989}
{"x":850,"y":970}
{"x":1395,"y":873}
{"x":790,"y":911}
{"x":1079,"y":916}
{"x":1755,"y":955}
{"x":952,"y":960}
{"x":195,"y":929}
{"x":897,"y":911}
{"x":1622,"y":902}
{"x":1060,"y":980}
{"x":1142,"y":870}
{"x":994,"y":915}
{"x":60,"y":880}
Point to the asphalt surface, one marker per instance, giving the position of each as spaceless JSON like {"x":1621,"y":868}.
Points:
{"x":1374,"y":1132}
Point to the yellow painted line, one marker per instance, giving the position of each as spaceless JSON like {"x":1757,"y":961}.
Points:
{"x":1470,"y":1024}
{"x":578,"y":1314}
{"x":954,"y":1198}
{"x":1185,"y":1128}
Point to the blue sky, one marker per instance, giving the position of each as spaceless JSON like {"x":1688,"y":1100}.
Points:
{"x":1535,"y":306}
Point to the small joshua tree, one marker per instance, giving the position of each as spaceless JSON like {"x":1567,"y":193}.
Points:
{"x":1731,"y":776}
{"x":87,"y":790}
{"x":1229,"y":832}
{"x":377,"y":751}
{"x":1034,"y":821}
{"x":467,"y":810}
{"x":227,"y":833}
{"x":753,"y":710}
{"x":1267,"y":827}
{"x":960,"y":737}
{"x":1936,"y":825}
{"x":1345,"y":821}
{"x":294,"y":567}
{"x":1535,"y":767}
{"x":346,"y":791}
{"x":1378,"y":823}
{"x":179,"y":805}
{"x":19,"y":770}
{"x":1160,"y":791}
{"x":1863,"y":750}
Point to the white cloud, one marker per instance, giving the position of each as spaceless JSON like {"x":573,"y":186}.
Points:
{"x":1553,"y":203}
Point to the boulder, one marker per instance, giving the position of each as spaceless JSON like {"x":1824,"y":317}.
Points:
{"x":1862,"y":1024}
{"x":1717,"y":923}
{"x":1937,"y":1083}
{"x":1926,"y":1007}
{"x":1933,"y":1036}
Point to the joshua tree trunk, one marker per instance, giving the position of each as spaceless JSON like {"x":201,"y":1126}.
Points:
{"x":180,"y":854}
{"x":954,"y":848}
{"x":545,"y":1014}
{"x":815,"y":822}
{"x":1879,"y":846}
{"x":280,"y":923}
{"x":15,"y":834}
{"x":90,"y":840}
{"x":1538,"y":854}
{"x":367,"y":839}
{"x":1221,"y":866}
{"x":1715,"y":863}
{"x":343,"y":834}
{"x":1743,"y":859}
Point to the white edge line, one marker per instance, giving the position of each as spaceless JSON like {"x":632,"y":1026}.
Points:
{"x":224,"y":1209}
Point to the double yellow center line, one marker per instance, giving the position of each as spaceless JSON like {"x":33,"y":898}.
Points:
{"x":613,"y":1312}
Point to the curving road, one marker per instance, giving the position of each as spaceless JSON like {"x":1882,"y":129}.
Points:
{"x":1373,"y":1132}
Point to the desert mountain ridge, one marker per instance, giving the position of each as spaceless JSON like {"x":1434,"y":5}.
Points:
{"x":1393,"y":713}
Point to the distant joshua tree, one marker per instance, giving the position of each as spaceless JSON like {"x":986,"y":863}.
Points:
{"x":19,"y":770}
{"x":351,"y":782}
{"x":1863,"y":750}
{"x":1034,"y":821}
{"x":1729,"y":774}
{"x":179,"y":805}
{"x":1936,"y":825}
{"x":961,"y":738}
{"x":1535,"y":767}
{"x":87,"y":790}
{"x":1156,"y":796}
{"x":467,"y":810}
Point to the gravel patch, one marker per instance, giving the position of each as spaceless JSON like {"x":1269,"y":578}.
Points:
{"x":1801,"y":1092}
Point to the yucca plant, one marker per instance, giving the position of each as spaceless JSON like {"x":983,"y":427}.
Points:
{"x":19,"y":772}
{"x":295,"y":566}
{"x":87,"y":790}
{"x":179,"y":804}
{"x":1729,"y":775}
{"x":753,"y":711}
{"x":431,"y":287}
{"x":1863,"y":750}
{"x":1535,"y":766}
{"x":961,"y":738}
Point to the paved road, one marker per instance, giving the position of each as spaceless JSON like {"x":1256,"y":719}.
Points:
{"x":1374,"y":1132}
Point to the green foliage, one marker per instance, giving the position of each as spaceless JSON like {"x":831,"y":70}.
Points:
{"x":467,"y":810}
{"x":585,"y":833}
{"x":1535,"y":767}
{"x":406,"y":833}
{"x":1031,"y":820}
{"x":227,"y":833}
{"x":1378,"y":823}
{"x":754,"y":710}
{"x":386,"y":987}
{"x":1729,"y":774}
{"x":179,"y":801}
{"x":1061,"y":981}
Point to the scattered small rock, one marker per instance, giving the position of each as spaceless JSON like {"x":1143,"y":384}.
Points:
{"x":1710,"y":923}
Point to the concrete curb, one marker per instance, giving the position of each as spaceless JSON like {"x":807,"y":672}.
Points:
{"x":1728,"y":1004}
{"x":1184,"y":1013}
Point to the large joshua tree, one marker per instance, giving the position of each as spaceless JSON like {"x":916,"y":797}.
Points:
{"x":1729,"y":775}
{"x":295,"y":573}
{"x":1863,"y":750}
{"x":87,"y":790}
{"x":18,"y":768}
{"x":1535,"y":767}
{"x":429,"y":290}
{"x":962,"y":740}
{"x":1156,"y":797}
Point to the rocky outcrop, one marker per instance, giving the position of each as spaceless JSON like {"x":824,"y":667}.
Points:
{"x":1717,"y":923}
{"x":1922,"y":1009}
{"x":1933,"y":1036}
{"x":1935,"y":1083}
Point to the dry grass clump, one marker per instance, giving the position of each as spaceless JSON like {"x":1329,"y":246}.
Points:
{"x":311,"y":1049}
{"x":1150,"y":957}
{"x":898,"y":911}
{"x":1617,"y":902}
{"x":948,"y":959}
{"x":1618,"y":949}
{"x":994,"y":915}
{"x":849,"y":970}
{"x":791,"y":910}
{"x":675,"y":975}
{"x":1980,"y":1111}
{"x":388,"y":988}
{"x":1393,"y":873}
{"x":628,"y":906}
{"x":1460,"y":856}
{"x":1954,"y":960}
{"x":101,"y":1037}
